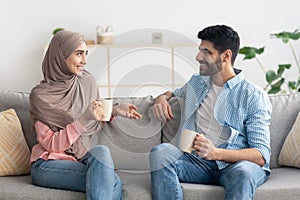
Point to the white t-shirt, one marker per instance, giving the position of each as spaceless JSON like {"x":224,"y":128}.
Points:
{"x":206,"y":122}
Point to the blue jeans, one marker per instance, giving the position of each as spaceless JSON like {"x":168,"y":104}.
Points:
{"x":94,"y":174}
{"x":169,"y":167}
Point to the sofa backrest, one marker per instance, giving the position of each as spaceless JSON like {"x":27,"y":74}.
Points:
{"x":130,"y":141}
{"x":20,"y":102}
{"x":285,"y":110}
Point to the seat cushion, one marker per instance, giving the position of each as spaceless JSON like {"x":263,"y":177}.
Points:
{"x":136,"y":184}
{"x":20,"y":187}
{"x":283,"y":184}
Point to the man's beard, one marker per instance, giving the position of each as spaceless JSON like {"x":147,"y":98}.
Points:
{"x":212,"y":68}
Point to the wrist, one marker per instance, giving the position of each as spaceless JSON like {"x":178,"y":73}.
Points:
{"x":114,"y":112}
{"x":161,"y":98}
{"x":215,"y":153}
{"x":83,"y":121}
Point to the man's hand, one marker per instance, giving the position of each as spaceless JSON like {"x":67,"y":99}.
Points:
{"x":162,"y":109}
{"x":204,"y":147}
{"x":126,"y":110}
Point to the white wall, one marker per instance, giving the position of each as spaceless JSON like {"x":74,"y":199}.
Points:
{"x":26,"y":26}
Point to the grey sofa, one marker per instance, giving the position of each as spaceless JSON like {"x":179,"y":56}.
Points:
{"x":131,"y":140}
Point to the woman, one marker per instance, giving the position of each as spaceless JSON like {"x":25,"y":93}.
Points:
{"x":67,"y":116}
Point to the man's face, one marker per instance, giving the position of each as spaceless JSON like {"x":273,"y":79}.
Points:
{"x":77,"y":60}
{"x":209,"y":59}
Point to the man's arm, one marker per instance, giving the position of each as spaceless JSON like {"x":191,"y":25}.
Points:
{"x":207,"y":150}
{"x":162,"y":109}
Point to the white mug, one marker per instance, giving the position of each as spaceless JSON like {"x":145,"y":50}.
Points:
{"x":107,"y":105}
{"x":186,"y":141}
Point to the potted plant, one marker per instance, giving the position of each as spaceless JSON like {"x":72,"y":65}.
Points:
{"x":276,"y":79}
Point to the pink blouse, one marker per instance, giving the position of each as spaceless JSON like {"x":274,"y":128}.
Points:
{"x":52,"y":145}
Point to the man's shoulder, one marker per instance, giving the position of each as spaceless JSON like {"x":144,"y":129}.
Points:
{"x":251,"y":92}
{"x":249,"y":86}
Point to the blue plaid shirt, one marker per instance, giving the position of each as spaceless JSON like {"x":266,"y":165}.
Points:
{"x":241,"y":107}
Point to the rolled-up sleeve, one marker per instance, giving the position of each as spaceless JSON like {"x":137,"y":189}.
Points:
{"x":257,"y":126}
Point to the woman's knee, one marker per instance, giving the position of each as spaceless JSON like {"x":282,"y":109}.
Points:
{"x":101,"y":153}
{"x":100,"y":150}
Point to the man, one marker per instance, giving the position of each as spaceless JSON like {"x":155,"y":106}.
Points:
{"x":231,"y":117}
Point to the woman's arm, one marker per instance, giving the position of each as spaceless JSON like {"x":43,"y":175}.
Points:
{"x":58,"y":141}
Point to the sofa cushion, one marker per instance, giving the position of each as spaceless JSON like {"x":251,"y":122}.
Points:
{"x":285,"y":110}
{"x":290,"y":151}
{"x":130,"y":141}
{"x":14,"y":151}
{"x":20,"y":187}
{"x":136,"y":184}
{"x":283,"y":184}
{"x":19,"y":101}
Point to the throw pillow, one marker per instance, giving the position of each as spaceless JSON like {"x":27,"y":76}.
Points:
{"x":290,"y":151}
{"x":14,"y":152}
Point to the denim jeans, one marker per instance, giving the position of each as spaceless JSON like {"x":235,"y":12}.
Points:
{"x":169,"y":167}
{"x":94,"y":174}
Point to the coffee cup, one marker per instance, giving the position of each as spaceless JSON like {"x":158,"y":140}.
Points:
{"x":107,"y":106}
{"x":186,"y":141}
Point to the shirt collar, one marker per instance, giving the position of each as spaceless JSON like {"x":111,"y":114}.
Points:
{"x":231,"y":83}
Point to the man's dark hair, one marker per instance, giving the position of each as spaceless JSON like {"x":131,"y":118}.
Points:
{"x":223,"y":38}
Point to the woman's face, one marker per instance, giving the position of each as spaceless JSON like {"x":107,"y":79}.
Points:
{"x":77,"y":60}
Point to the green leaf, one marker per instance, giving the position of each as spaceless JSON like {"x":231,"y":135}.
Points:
{"x":286,"y":36}
{"x":57,"y":30}
{"x":276,"y":87}
{"x":278,"y":84}
{"x":260,"y":50}
{"x":271,"y":76}
{"x":281,"y":69}
{"x":292,"y":85}
{"x":274,"y":90}
{"x":295,"y":35}
{"x":250,"y":52}
{"x":286,"y":66}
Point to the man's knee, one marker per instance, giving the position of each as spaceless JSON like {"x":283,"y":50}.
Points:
{"x":162,"y":155}
{"x":246,"y":170}
{"x":162,"y":147}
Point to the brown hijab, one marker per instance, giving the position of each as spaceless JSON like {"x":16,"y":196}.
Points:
{"x":62,"y":97}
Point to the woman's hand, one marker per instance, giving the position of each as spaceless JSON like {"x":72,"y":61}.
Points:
{"x":93,"y":112}
{"x":126,"y":110}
